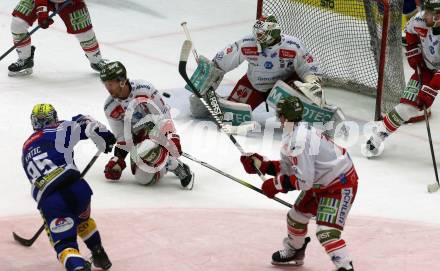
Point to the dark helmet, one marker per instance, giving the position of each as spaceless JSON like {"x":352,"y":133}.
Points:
{"x":43,"y":115}
{"x":113,"y":71}
{"x":291,"y":108}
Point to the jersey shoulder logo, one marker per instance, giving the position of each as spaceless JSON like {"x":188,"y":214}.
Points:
{"x":284,"y":53}
{"x":249,"y":51}
{"x":423,"y":32}
{"x":117,"y":112}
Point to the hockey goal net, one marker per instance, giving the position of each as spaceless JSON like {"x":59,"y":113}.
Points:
{"x":356,"y":42}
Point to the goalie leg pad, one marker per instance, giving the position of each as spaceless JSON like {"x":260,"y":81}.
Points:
{"x":312,"y":112}
{"x":197,"y":108}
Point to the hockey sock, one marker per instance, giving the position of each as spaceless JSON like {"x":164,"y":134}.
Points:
{"x":330,"y":239}
{"x":296,"y":230}
{"x":71,"y":259}
{"x":19,"y":31}
{"x":88,"y":231}
{"x":90,"y":45}
{"x":396,"y":117}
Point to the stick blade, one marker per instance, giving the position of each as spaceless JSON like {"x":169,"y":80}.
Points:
{"x":22,"y":241}
{"x":433,"y":187}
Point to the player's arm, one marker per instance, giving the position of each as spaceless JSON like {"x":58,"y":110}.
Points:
{"x":413,"y":47}
{"x":306,"y":66}
{"x":230,"y":57}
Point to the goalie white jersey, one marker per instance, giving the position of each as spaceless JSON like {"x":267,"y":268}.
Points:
{"x":143,"y":100}
{"x":429,"y":41}
{"x":274,"y":63}
{"x":313,"y":158}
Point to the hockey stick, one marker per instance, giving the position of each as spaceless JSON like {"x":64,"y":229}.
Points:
{"x":435,"y":186}
{"x":34,"y":30}
{"x":248,"y":185}
{"x":28,"y":242}
{"x":214,"y":112}
{"x":188,"y":37}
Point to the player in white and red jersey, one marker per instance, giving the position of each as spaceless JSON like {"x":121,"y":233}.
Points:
{"x":324,"y":173}
{"x":75,"y":16}
{"x":423,"y":54}
{"x":142,"y":124}
{"x":271,"y":56}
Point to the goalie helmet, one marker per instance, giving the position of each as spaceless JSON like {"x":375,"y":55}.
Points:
{"x":291,"y":108}
{"x":43,"y":115}
{"x":113,"y":71}
{"x":432,"y":5}
{"x":266,"y":31}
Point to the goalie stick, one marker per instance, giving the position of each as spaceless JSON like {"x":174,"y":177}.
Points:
{"x":248,"y":185}
{"x":213,"y":108}
{"x":34,"y":30}
{"x":28,"y":242}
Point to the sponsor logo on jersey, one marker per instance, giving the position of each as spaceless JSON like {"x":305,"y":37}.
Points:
{"x":274,"y":55}
{"x":291,"y":42}
{"x":229,"y":50}
{"x":423,"y":32}
{"x":308,"y":58}
{"x":268,"y":65}
{"x":249,"y":51}
{"x":31,"y":139}
{"x":248,"y":39}
{"x":347,"y":195}
{"x":284,"y":53}
{"x":220,"y":55}
{"x":242,"y":93}
{"x":61,"y":224}
{"x":117,"y":112}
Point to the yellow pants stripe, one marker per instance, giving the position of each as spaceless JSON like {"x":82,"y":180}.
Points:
{"x":87,"y":229}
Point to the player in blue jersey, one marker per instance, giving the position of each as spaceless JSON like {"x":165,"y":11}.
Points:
{"x":63,"y":197}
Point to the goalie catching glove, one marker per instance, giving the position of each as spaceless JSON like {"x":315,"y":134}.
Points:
{"x":311,"y":88}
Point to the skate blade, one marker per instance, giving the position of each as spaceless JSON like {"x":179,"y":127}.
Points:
{"x":24,"y":72}
{"x":291,"y":263}
{"x":191,"y":183}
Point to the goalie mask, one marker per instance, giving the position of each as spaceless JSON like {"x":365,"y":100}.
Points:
{"x":291,"y":108}
{"x":267,"y":31}
{"x":113,"y":71}
{"x":43,"y":115}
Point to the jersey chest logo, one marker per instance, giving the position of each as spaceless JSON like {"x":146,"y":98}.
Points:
{"x":423,"y":32}
{"x":249,"y":51}
{"x":284,"y":53}
{"x":117,"y":112}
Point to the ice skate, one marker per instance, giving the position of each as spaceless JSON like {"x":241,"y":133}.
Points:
{"x":374,"y":145}
{"x":349,"y":267}
{"x":100,"y":258}
{"x":22,"y":67}
{"x":288,"y":256}
{"x":99,"y":65}
{"x":185,"y":175}
{"x":86,"y":267}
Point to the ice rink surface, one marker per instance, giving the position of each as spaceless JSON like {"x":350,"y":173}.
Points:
{"x":393,"y":225}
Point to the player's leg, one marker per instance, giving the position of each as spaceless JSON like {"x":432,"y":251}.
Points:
{"x":87,"y":228}
{"x":23,"y":16}
{"x":331,"y":216}
{"x":60,"y":223}
{"x":401,"y":113}
{"x":244,"y":92}
{"x":77,"y":19}
{"x":296,"y":241}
